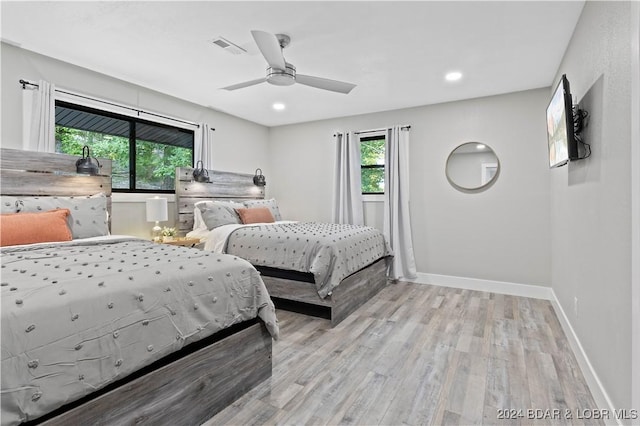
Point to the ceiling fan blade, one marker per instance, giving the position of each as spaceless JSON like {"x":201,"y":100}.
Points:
{"x":270,"y":48}
{"x":325,"y":83}
{"x":245,"y":84}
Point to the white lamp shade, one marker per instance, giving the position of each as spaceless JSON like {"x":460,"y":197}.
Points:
{"x":157,"y":209}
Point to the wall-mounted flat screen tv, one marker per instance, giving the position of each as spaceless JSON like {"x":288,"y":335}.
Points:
{"x":561,"y":138}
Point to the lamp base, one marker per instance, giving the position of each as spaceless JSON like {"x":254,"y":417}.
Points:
{"x":156,"y":232}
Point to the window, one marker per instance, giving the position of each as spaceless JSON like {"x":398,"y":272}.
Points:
{"x":145,"y":154}
{"x":372,"y":164}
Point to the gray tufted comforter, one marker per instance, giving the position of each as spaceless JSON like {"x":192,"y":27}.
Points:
{"x":330,"y":251}
{"x":79,"y":315}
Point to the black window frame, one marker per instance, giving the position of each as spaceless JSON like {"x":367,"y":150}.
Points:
{"x":372,"y":166}
{"x":132,"y":143}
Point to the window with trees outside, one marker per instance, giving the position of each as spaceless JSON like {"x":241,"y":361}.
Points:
{"x":372,"y":164}
{"x":144,"y":154}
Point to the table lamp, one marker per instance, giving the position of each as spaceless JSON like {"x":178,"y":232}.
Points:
{"x":156,"y":212}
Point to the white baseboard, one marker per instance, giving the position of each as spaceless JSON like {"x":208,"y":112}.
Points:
{"x":595,"y":385}
{"x":537,"y":292}
{"x":512,"y":289}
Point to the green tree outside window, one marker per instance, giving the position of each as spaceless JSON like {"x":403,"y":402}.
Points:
{"x":155,"y":160}
{"x":372,"y":165}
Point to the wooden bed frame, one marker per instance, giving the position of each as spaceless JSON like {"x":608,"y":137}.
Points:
{"x":186,"y":387}
{"x":353,"y":291}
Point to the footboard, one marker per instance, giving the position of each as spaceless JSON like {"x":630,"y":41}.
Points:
{"x":189,"y":390}
{"x":353,"y":291}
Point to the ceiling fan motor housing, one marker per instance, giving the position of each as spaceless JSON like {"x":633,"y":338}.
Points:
{"x":280,"y":77}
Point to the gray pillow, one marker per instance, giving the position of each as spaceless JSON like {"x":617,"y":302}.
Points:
{"x":216,"y":214}
{"x":88,"y":213}
{"x":270,"y":204}
{"x":9,"y":204}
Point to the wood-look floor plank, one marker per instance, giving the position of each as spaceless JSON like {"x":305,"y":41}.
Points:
{"x":418,"y":354}
{"x":473,"y":406}
{"x":359,"y":402}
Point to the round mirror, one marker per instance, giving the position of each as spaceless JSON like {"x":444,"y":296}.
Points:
{"x":472,"y":166}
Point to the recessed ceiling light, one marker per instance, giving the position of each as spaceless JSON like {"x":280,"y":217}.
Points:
{"x":453,"y":76}
{"x":480,"y":146}
{"x":278,"y":106}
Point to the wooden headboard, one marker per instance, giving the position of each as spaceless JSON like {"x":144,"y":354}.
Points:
{"x":32,"y":173}
{"x":222,"y":186}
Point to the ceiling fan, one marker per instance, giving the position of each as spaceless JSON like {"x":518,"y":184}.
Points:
{"x":281,"y":72}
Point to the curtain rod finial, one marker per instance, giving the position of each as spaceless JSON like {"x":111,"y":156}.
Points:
{"x":26,"y":83}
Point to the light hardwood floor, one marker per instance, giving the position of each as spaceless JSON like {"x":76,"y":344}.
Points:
{"x":419,"y":354}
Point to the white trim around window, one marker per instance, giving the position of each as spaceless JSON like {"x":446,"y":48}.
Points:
{"x":139,"y":197}
{"x":373,"y":198}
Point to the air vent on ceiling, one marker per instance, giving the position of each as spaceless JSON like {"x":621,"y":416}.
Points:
{"x":228,"y":46}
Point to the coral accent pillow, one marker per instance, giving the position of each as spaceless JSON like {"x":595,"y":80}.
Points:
{"x":255,"y":215}
{"x":29,"y":228}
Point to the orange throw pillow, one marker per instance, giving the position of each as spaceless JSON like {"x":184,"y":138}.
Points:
{"x":256,"y":215}
{"x":29,"y":228}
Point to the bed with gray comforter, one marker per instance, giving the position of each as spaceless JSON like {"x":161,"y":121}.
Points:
{"x":330,"y":251}
{"x":77,"y":316}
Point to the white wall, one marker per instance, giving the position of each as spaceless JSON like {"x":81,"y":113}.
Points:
{"x":240,"y":145}
{"x":500,"y":234}
{"x":635,"y":201}
{"x":590,"y":199}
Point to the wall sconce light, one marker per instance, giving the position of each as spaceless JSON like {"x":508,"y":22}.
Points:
{"x":157,"y":212}
{"x":259,"y":179}
{"x":85,"y":165}
{"x":200,"y":174}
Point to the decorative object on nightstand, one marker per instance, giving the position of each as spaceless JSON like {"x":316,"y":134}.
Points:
{"x":168,"y":234}
{"x":259,"y":178}
{"x":157,"y":212}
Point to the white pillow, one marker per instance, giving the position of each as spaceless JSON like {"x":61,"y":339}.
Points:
{"x":198,"y":223}
{"x":211,"y":203}
{"x":213,"y":214}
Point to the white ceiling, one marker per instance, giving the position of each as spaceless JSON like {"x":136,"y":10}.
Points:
{"x":396,"y":52}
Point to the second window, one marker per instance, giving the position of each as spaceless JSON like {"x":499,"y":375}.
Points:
{"x":372,"y":159}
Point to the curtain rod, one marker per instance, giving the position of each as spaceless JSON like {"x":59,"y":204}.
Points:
{"x":380,"y":130}
{"x":406,"y":127}
{"x":28,"y":83}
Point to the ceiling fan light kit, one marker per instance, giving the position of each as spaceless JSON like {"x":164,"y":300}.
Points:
{"x":282,"y":73}
{"x":280,"y":77}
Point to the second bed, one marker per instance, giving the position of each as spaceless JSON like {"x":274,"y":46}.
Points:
{"x":336,"y":268}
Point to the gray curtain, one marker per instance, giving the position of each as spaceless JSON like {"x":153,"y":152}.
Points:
{"x":397,"y":223}
{"x":347,"y":206}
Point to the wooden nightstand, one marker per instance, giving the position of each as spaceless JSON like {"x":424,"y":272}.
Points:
{"x":182,"y":241}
